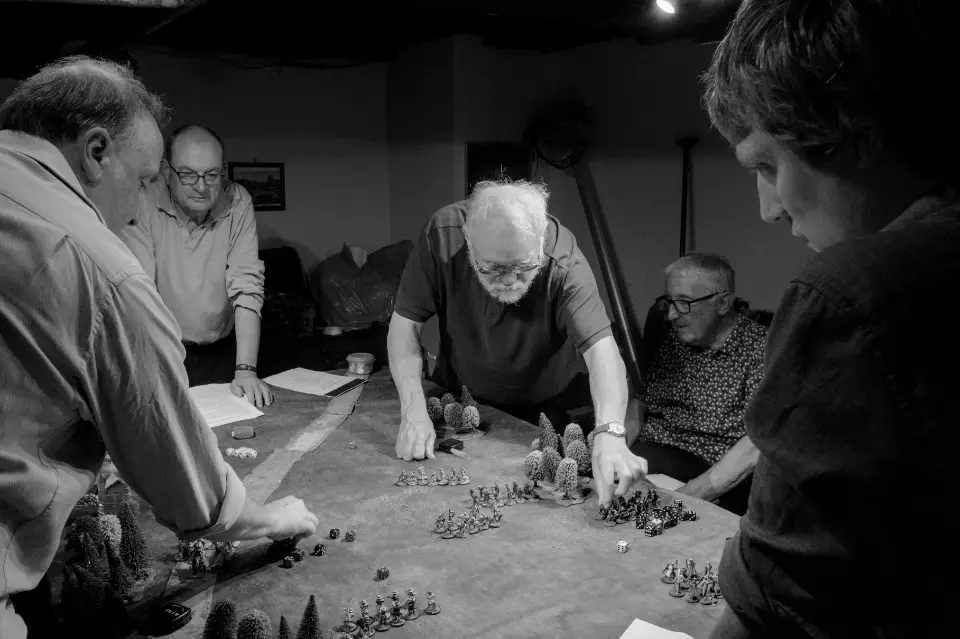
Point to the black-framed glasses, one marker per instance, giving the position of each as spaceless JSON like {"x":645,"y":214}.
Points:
{"x":499,"y":270}
{"x":190,"y":178}
{"x":682,"y":306}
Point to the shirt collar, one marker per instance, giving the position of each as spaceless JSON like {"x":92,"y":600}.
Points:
{"x":50,"y":157}
{"x":222,"y":208}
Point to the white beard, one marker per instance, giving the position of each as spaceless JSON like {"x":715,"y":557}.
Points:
{"x":507,"y":294}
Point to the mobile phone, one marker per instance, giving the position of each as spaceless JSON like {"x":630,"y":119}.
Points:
{"x":167,"y":620}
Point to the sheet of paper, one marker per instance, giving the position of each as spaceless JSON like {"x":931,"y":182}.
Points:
{"x":640,"y":629}
{"x":311,"y":382}
{"x":665,"y":481}
{"x":219,"y":406}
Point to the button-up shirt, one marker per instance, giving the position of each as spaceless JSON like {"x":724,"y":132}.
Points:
{"x":90,"y":361}
{"x":856,"y":424}
{"x":696,"y":398}
{"x":202,"y":271}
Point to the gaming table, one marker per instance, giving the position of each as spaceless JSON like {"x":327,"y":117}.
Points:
{"x":547,"y":571}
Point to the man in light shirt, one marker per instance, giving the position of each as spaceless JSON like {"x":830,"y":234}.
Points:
{"x":91,"y":360}
{"x":199,"y":244}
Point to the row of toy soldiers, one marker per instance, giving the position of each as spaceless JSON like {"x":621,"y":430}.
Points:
{"x":472,"y":523}
{"x":688,"y":583}
{"x":420,"y":478}
{"x":645,"y":509}
{"x":385,"y":619}
{"x":195,"y":553}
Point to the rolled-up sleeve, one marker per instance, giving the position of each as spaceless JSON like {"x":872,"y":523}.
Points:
{"x":580,"y":311}
{"x":245,"y":269}
{"x":139,"y":397}
{"x":418,"y":297}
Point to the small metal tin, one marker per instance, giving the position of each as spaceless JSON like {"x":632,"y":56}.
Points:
{"x":360,"y":363}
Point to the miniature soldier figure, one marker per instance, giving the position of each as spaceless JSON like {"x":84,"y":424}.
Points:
{"x":461,"y":530}
{"x":432,"y":607}
{"x":183,"y":550}
{"x":402,"y":479}
{"x":433,"y":478}
{"x":676,"y":590}
{"x":510,"y":499}
{"x":669,"y":574}
{"x":365,"y":619}
{"x":497,"y":515}
{"x":474,"y":498}
{"x":397,"y":615}
{"x":421,"y":476}
{"x":383,"y":622}
{"x":197,"y":561}
{"x":454,"y":477}
{"x":484,"y":522}
{"x":442,"y":480}
{"x":412,"y":612}
{"x":348,"y":626}
{"x":691,"y":571}
{"x":441,"y":525}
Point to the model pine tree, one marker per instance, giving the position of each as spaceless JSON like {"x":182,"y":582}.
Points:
{"x":284,"y":631}
{"x":549,"y":439}
{"x":120,"y":579}
{"x":590,"y":439}
{"x":545,"y":424}
{"x":571,"y":433}
{"x":535,"y":445}
{"x":447,"y":398}
{"x":222,"y":621}
{"x":310,"y":623}
{"x":466,"y":398}
{"x":452,"y":413}
{"x":469,"y":419}
{"x":110,"y":527}
{"x":86,"y":525}
{"x":434,"y":408}
{"x":549,"y":461}
{"x":577,"y":451}
{"x":89,"y":607}
{"x":531,"y":467}
{"x":567,"y":481}
{"x":93,"y":557}
{"x":255,"y":625}
{"x":133,"y":548}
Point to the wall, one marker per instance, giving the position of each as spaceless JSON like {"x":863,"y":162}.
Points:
{"x":327,"y":126}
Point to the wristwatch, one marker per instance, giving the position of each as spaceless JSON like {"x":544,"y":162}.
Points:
{"x":246,"y":367}
{"x":614,"y":428}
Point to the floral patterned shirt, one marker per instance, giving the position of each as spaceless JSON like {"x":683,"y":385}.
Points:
{"x":695,"y":399}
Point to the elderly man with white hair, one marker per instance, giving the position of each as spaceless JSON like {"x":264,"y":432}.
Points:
{"x":519,"y":312}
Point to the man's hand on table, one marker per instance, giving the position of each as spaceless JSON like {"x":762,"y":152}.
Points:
{"x":417,"y":437}
{"x":247,"y":384}
{"x":289,"y":517}
{"x":613,"y":461}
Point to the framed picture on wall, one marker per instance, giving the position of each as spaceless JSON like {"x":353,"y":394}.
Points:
{"x":497,"y":160}
{"x":263,"y":180}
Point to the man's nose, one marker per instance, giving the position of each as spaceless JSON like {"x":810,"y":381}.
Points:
{"x":771,"y":210}
{"x":201,"y":186}
{"x":672,"y":313}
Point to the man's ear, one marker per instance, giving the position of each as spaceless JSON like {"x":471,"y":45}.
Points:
{"x":725,"y":303}
{"x":97,"y":148}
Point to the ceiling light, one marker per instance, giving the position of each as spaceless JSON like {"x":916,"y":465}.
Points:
{"x":666,"y":6}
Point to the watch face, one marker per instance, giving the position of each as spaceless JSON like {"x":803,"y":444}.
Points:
{"x":616,"y":429}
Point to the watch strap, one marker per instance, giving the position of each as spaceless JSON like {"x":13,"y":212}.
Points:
{"x":246,"y":367}
{"x":605,"y":428}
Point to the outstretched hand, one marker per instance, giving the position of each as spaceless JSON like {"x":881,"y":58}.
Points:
{"x":417,"y":437}
{"x":615,"y":468}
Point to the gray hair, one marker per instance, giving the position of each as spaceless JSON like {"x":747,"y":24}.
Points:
{"x":708,"y":266}
{"x":523,"y":204}
{"x":75,"y":94}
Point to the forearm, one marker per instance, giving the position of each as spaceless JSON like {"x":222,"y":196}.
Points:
{"x":727,"y":473}
{"x":247,"y":328}
{"x":608,"y":381}
{"x":406,"y":362}
{"x":252,"y":523}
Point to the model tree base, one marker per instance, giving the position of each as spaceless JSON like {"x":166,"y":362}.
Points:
{"x":572,"y":498}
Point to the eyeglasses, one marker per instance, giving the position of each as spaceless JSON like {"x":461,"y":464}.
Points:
{"x":499,"y":270}
{"x":682,"y":306}
{"x":189,"y":178}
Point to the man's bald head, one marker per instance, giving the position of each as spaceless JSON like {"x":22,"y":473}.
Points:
{"x":190,"y":135}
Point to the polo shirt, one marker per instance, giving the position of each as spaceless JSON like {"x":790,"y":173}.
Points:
{"x":857,"y":427}
{"x":90,"y":362}
{"x":520,"y":354}
{"x":203,"y":271}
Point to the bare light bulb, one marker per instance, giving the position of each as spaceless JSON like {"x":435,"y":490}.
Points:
{"x":666,"y":6}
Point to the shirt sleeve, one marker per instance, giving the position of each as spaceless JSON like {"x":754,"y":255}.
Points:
{"x":139,"y":399}
{"x":418,"y":297}
{"x":139,"y":238}
{"x":824,"y":413}
{"x":245,"y":270}
{"x":580,"y":311}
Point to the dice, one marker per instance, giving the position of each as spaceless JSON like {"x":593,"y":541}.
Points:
{"x":297,"y":555}
{"x":621,"y":546}
{"x":350,"y":536}
{"x":288,"y":562}
{"x":382,"y":573}
{"x":319,"y":550}
{"x":334,"y":533}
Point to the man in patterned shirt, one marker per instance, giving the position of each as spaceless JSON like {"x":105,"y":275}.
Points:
{"x":699,"y":383}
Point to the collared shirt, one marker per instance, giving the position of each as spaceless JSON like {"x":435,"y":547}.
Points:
{"x":203,"y":272}
{"x":695,"y":399}
{"x":90,"y":361}
{"x":511,"y":354}
{"x":856,"y":422}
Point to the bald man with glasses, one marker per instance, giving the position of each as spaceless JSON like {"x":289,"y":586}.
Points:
{"x":200,"y":246}
{"x":699,"y":383}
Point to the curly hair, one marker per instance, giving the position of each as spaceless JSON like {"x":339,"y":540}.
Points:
{"x":838,"y":81}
